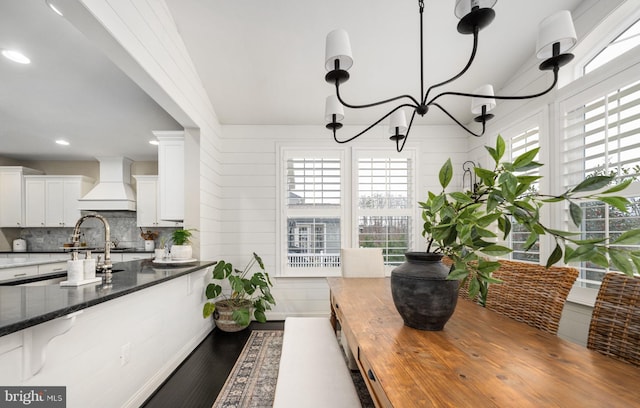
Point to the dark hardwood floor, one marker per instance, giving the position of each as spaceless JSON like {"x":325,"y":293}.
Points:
{"x":198,"y":380}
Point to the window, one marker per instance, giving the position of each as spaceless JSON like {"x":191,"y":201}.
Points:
{"x":385,"y":204}
{"x":319,"y":216}
{"x":629,"y":39}
{"x":602,"y":136}
{"x":602,"y":220}
{"x":313,"y":210}
{"x":519,"y":144}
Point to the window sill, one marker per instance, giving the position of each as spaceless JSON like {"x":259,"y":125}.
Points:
{"x":583,"y":296}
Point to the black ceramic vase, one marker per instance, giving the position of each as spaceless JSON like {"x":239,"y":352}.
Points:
{"x":421,"y":292}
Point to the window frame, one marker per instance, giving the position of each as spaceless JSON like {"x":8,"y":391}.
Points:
{"x":412,"y":211}
{"x":283,"y":213}
{"x":581,"y":92}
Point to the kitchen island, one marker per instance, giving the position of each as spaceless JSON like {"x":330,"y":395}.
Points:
{"x":109,"y":345}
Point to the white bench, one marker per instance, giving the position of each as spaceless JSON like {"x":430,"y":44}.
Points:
{"x":313,"y":372}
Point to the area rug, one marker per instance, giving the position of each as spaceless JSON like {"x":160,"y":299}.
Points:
{"x":252,"y":381}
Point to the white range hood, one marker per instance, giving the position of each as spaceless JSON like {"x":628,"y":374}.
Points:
{"x":113,"y":191}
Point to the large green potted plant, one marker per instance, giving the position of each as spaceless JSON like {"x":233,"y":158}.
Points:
{"x":467,"y":226}
{"x":249,"y":290}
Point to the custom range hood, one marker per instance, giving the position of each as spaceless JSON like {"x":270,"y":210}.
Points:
{"x":113,"y":191}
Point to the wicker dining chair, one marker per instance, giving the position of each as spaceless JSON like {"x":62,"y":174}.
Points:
{"x":615,"y":323}
{"x":531,"y":293}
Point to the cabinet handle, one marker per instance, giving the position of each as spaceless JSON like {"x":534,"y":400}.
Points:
{"x":370,"y":375}
{"x":19,"y":274}
{"x":57,"y":269}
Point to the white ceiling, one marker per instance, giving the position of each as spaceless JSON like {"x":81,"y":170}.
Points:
{"x":261,"y":62}
{"x":69,"y":91}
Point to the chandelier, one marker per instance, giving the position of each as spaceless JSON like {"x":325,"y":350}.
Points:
{"x":556,"y":36}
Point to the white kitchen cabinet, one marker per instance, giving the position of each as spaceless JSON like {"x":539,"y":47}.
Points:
{"x":171,"y":174}
{"x":56,"y":267}
{"x":34,"y":201}
{"x":148,"y":203}
{"x":18,"y":272}
{"x":52,"y":201}
{"x":12,"y":195}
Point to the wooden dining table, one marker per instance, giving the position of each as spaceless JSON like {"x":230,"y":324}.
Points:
{"x":479,"y":359}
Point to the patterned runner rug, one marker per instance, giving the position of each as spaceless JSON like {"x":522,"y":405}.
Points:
{"x":252,"y":381}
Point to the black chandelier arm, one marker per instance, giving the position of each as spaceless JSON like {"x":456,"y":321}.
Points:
{"x":406,"y":136}
{"x":461,"y":73}
{"x":369,"y":105}
{"x":459,"y":123}
{"x":335,"y":137}
{"x":501,"y":97}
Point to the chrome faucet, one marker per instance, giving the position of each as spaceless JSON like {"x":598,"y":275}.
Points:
{"x":75,"y":239}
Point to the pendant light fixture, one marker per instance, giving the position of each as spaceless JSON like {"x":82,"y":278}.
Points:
{"x":556,"y":37}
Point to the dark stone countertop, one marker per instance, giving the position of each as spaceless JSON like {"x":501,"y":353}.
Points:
{"x":26,"y":306}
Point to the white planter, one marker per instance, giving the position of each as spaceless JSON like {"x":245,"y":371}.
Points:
{"x":181,"y":252}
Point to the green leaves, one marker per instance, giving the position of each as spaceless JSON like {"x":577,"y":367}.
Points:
{"x":446,"y":174}
{"x":525,"y":160}
{"x":208,"y":309}
{"x":498,"y":152}
{"x":555,"y":256}
{"x":592,"y":183}
{"x":252,"y":288}
{"x":628,"y":238}
{"x":463,"y":224}
{"x":576,"y":213}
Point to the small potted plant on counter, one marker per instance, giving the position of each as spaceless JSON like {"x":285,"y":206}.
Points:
{"x":181,"y":249}
{"x":248,"y":291}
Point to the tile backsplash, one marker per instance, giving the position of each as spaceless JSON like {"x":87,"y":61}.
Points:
{"x":122,"y":225}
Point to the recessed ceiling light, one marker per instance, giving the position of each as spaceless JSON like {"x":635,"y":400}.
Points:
{"x":154,"y":142}
{"x":52,"y":7}
{"x":62,"y":142}
{"x":16,"y":56}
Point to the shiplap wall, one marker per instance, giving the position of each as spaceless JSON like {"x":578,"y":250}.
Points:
{"x":250,"y":194}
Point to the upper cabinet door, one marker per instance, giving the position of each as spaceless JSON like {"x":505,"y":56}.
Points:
{"x":35,"y":212}
{"x":55,"y":202}
{"x":171,"y":174}
{"x":12,"y":195}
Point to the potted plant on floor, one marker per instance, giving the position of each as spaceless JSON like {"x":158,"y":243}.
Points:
{"x":250,"y":290}
{"x":464,"y":226}
{"x":181,"y":249}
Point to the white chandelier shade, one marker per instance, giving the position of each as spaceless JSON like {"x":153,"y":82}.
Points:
{"x":332,"y":107}
{"x":397,"y":122}
{"x":556,"y":38}
{"x":478,"y":103}
{"x":338,"y":48}
{"x":557,"y":28}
